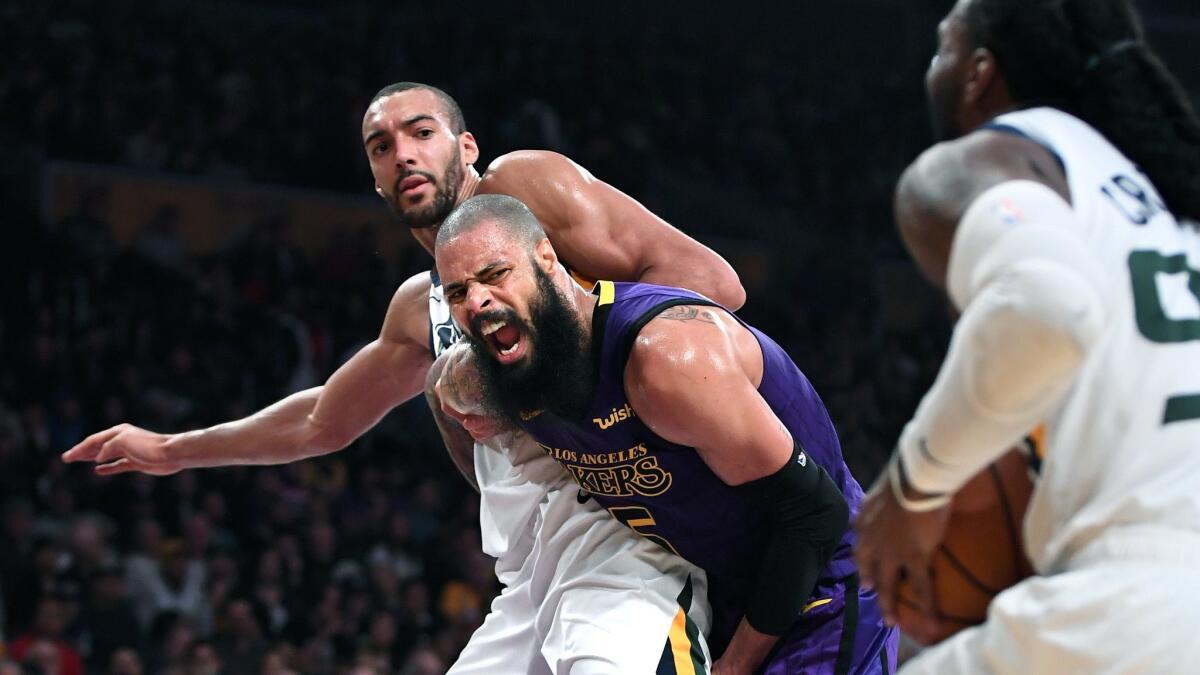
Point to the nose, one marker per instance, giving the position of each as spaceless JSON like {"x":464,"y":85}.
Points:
{"x":406,"y":154}
{"x":479,"y":299}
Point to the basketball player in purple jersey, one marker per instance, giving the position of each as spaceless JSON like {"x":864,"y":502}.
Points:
{"x":691,"y":427}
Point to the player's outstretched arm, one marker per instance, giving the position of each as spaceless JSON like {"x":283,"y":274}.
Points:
{"x":313,"y":422}
{"x":603,"y":233}
{"x":693,"y":377}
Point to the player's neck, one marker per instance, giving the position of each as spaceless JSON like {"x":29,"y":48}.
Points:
{"x":470,"y":184}
{"x":427,"y":236}
{"x":585,"y":304}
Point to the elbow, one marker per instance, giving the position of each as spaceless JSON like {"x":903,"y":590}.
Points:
{"x":839,"y":521}
{"x":324,"y":441}
{"x":728,"y":290}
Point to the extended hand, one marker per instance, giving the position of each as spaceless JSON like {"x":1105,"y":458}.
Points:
{"x":895,"y":543}
{"x":125,"y":448}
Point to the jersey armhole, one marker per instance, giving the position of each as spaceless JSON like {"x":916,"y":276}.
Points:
{"x":1021,"y":133}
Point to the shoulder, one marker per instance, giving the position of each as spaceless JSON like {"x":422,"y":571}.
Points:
{"x":950,"y":175}
{"x":680,"y":340}
{"x":414,"y":289}
{"x":936,"y":190}
{"x":407,"y":317}
{"x":527,"y":171}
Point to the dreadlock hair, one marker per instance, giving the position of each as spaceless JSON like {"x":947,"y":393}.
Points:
{"x":1089,"y":58}
{"x":457,"y":123}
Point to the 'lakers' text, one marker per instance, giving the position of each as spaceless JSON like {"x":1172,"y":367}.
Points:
{"x":621,"y":473}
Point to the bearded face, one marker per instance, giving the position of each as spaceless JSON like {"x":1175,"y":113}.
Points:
{"x":410,"y":199}
{"x":556,"y":373}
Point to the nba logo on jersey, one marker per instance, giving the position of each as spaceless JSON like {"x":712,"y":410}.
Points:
{"x":1008,"y":213}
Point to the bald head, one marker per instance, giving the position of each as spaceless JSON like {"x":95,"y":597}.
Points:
{"x":508,"y":214}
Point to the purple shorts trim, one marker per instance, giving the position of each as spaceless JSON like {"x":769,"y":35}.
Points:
{"x":818,"y":643}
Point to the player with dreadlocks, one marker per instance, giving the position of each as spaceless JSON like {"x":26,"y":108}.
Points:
{"x":1054,"y":214}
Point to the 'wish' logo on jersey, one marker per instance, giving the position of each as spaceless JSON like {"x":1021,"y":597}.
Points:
{"x":618,"y":415}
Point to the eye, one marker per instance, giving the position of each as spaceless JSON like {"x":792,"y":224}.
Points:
{"x":425,"y":133}
{"x":379,"y":149}
{"x":496,"y":276}
{"x":456,"y":295}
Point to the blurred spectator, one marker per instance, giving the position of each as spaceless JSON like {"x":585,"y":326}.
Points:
{"x":109,"y":622}
{"x":204,"y":659}
{"x":125,"y":661}
{"x":17,"y":570}
{"x":239,"y":642}
{"x":423,"y":661}
{"x":44,"y":645}
{"x":175,"y":585}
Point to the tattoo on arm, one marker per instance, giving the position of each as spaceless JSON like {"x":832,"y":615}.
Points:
{"x":686,"y":313}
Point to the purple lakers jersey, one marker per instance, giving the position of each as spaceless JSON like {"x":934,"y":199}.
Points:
{"x":665,"y":491}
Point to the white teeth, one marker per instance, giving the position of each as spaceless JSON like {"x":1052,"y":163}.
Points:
{"x":513,"y":348}
{"x":492,"y":327}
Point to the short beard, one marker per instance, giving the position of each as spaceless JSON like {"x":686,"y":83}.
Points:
{"x":557,"y":377}
{"x":941,"y":115}
{"x":444,"y":197}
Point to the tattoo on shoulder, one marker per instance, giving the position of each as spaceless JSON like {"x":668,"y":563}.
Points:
{"x":686,"y":313}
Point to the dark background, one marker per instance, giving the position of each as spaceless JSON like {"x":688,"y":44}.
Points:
{"x":191,"y":235}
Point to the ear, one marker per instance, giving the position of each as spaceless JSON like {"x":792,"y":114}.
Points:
{"x":981,"y":75}
{"x":468,"y":147}
{"x":545,"y":256}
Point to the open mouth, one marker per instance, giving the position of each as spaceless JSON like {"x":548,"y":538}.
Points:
{"x":506,"y":340}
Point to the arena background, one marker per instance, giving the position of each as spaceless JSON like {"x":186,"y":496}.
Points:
{"x":190,"y":234}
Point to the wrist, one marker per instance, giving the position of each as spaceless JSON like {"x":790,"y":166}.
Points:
{"x":908,"y":496}
{"x":177,"y":448}
{"x":749,"y":646}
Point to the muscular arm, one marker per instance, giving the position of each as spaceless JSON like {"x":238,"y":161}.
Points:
{"x":692,"y":377}
{"x":602,"y":233}
{"x":316,"y":421}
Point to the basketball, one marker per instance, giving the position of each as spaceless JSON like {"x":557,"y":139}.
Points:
{"x":981,"y":554}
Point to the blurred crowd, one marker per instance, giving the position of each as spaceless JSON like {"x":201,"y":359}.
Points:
{"x":368,"y":560}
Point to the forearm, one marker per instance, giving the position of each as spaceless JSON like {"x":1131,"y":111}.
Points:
{"x":807,"y":517}
{"x":281,"y":433}
{"x":1032,"y":310}
{"x":748,"y":649}
{"x":459,"y":443}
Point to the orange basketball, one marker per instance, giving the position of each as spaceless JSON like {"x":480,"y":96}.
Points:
{"x":981,"y":554}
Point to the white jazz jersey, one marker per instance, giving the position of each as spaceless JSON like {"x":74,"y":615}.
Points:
{"x":513,"y":477}
{"x":582,"y":593}
{"x":1123,"y":448}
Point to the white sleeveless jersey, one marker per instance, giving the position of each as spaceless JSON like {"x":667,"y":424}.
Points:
{"x":513,"y":473}
{"x":1123,"y":447}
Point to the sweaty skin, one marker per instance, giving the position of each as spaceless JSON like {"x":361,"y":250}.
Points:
{"x":601,"y":231}
{"x":692,"y":376}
